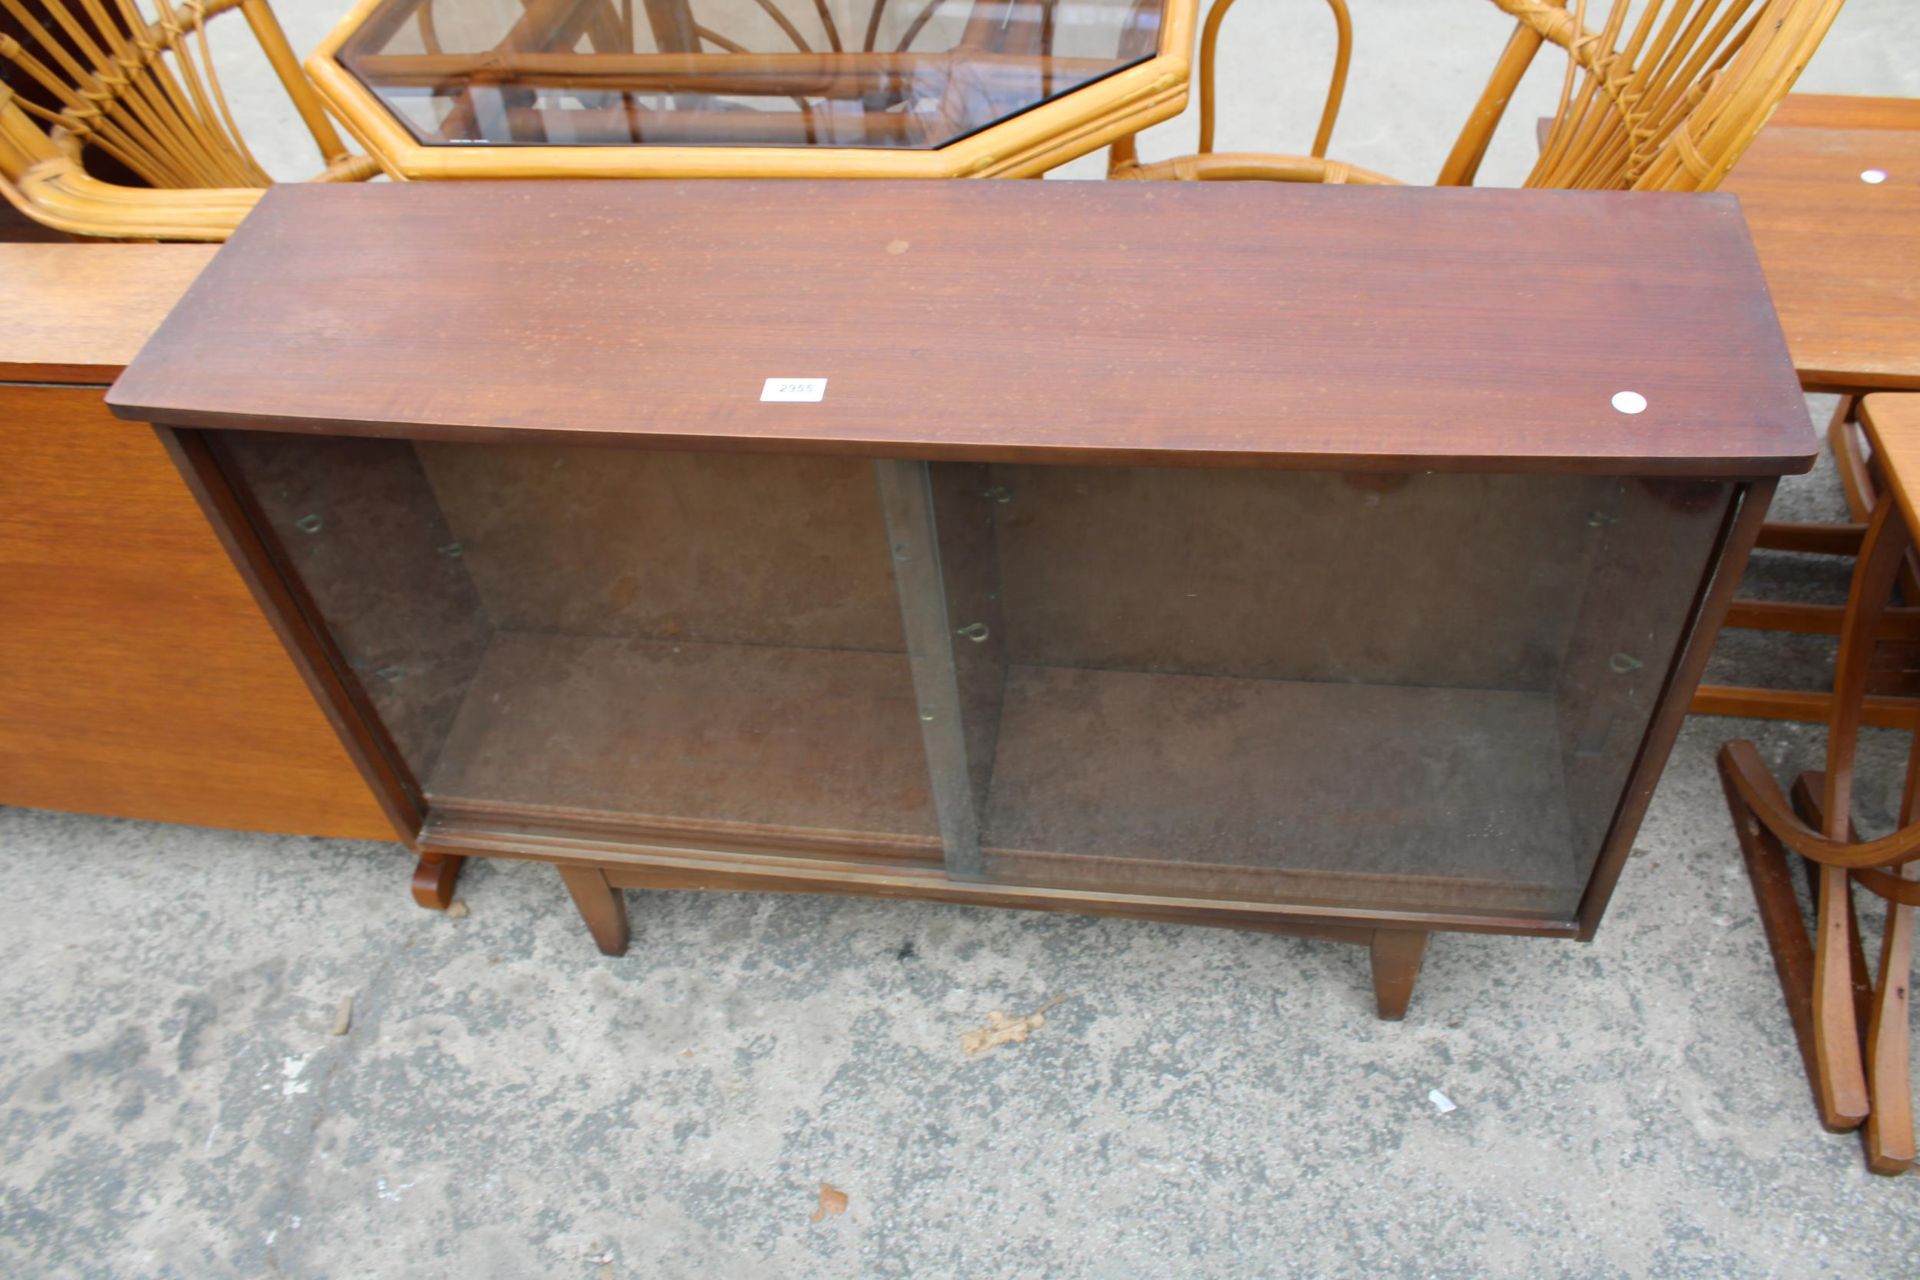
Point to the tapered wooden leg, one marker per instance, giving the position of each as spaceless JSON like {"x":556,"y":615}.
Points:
{"x":433,"y":879}
{"x":602,"y":906}
{"x":1889,"y":1131}
{"x":1396,"y":955}
{"x":1842,"y":1084}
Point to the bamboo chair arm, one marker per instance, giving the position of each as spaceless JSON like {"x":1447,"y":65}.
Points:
{"x":1242,"y":166}
{"x":1554,"y":24}
{"x":1470,"y":147}
{"x":1539,"y":21}
{"x":22,"y":142}
{"x":60,"y":194}
{"x":1124,"y":161}
{"x":1336,"y":84}
{"x":1762,"y":795}
{"x":1670,"y":109}
{"x":146,"y":92}
{"x":306,"y":99}
{"x":350,"y":168}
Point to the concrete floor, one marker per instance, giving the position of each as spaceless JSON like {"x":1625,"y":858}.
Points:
{"x":508,"y":1103}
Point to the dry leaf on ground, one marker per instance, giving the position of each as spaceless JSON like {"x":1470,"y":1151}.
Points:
{"x":1001,"y":1029}
{"x":833,"y":1203}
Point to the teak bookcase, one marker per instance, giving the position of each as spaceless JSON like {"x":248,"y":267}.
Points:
{"x":1257,"y":556}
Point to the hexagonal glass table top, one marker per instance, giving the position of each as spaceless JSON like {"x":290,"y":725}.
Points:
{"x":870,"y":74}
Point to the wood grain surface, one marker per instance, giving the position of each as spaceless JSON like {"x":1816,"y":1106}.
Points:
{"x":1187,"y":324}
{"x":650,"y":732}
{"x":137,"y":678}
{"x":80,"y":312}
{"x":1845,"y":111}
{"x":1841,"y":255}
{"x":1893,"y":426}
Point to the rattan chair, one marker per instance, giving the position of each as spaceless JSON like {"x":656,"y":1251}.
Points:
{"x":1666,"y":105}
{"x":96,"y":76}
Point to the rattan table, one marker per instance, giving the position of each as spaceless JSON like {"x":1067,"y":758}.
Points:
{"x":750,"y":88}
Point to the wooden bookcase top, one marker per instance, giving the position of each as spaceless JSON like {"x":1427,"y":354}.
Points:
{"x":1130,"y":324}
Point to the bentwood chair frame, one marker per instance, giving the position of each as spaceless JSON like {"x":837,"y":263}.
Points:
{"x":1834,"y":1004}
{"x":146,"y":94}
{"x":1892,"y":697}
{"x":1667,"y":106}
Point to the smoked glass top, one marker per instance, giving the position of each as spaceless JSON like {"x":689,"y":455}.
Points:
{"x":898,"y":74}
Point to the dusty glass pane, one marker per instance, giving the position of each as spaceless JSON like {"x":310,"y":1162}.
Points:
{"x":639,"y":645}
{"x":1416,"y":691}
{"x":838,"y":73}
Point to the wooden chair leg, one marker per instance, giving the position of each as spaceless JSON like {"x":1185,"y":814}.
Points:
{"x":1793,"y":953}
{"x":602,"y":906}
{"x":1780,"y":919}
{"x":1889,"y":1132}
{"x":1842,"y":1082}
{"x":1837,"y":1030}
{"x":1856,"y":948}
{"x":1855,"y":482}
{"x":1851,"y":461}
{"x":1843,"y":438}
{"x":1807,"y":789}
{"x":1396,"y":956}
{"x":434,"y":877}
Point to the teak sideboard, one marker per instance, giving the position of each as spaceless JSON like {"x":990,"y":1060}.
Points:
{"x":1324,"y":560}
{"x":109,"y":574}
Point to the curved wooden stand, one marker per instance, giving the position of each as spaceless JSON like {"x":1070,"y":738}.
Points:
{"x":1851,"y":1024}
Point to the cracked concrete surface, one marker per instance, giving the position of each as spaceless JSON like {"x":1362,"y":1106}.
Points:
{"x":509,"y":1103}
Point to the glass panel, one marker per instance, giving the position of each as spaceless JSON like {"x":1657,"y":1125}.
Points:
{"x":799,"y":73}
{"x":1406,"y":691}
{"x":672,"y":646}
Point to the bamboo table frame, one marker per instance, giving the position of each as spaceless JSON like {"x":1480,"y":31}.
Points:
{"x":1041,"y":136}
